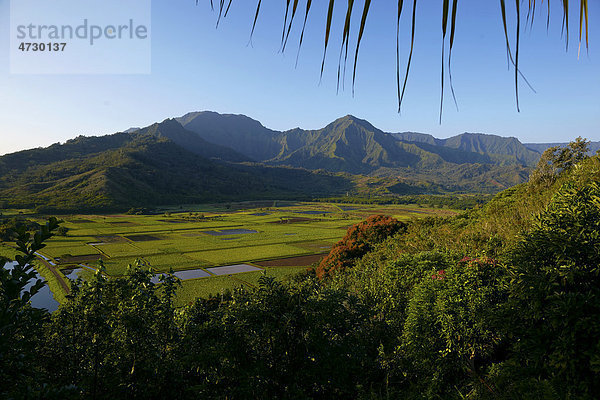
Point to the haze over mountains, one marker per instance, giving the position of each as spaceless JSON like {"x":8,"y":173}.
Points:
{"x":206,"y":157}
{"x":541,"y":147}
{"x":353,"y":145}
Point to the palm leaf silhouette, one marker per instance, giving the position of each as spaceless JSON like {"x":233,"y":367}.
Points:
{"x":449,"y":17}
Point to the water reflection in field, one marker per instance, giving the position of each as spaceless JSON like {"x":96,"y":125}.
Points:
{"x":43,"y":298}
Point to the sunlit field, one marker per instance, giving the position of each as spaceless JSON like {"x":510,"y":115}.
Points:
{"x":280,"y":240}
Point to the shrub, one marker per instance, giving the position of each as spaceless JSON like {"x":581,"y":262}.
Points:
{"x":557,"y":292}
{"x":360,"y":239}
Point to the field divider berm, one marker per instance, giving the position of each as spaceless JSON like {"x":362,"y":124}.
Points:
{"x":100,"y":251}
{"x":172,"y":229}
{"x":251,"y":245}
{"x":57,"y":274}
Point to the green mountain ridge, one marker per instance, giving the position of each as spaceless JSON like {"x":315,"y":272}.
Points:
{"x":145,"y":170}
{"x":353,"y":145}
{"x":211,"y":157}
{"x":174,"y":131}
{"x":349,"y":145}
{"x":237,"y":132}
{"x":494,"y":149}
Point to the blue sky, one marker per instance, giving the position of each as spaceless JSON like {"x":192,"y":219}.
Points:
{"x":197,"y":67}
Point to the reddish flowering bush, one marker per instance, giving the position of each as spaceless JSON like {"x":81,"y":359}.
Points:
{"x":359,"y":240}
{"x":441,"y":274}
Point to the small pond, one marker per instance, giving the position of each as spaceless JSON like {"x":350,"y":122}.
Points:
{"x":225,"y":232}
{"x":43,"y":298}
{"x":191,"y":274}
{"x":74,"y":273}
{"x":184,"y":275}
{"x":233,"y":269}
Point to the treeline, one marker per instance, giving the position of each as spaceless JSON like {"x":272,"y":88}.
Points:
{"x":452,"y":201}
{"x":9,"y":225}
{"x":501,"y":302}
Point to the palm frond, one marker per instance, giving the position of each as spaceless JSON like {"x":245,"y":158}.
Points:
{"x":220,"y":12}
{"x":445,"y":15}
{"x":518,"y":4}
{"x":452,"y":30}
{"x":363,"y":22}
{"x":308,"y":4}
{"x":327,"y":31}
{"x":565,"y":25}
{"x":227,"y":10}
{"x":449,"y":18}
{"x":294,"y":8}
{"x":345,"y":40}
{"x":410,"y":54}
{"x":255,"y":19}
{"x":287,"y":8}
{"x":583,"y":10}
{"x":400,"y":5}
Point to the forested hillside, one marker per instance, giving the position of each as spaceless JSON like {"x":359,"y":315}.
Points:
{"x":211,"y":157}
{"x":353,"y":145}
{"x":500,"y":302}
{"x":172,"y":130}
{"x":493,"y":149}
{"x":144,"y":169}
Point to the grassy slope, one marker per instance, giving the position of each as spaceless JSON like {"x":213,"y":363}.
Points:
{"x":122,"y":171}
{"x":489,"y":229}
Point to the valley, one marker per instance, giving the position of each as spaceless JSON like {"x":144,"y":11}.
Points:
{"x":196,"y":194}
{"x":211,"y":248}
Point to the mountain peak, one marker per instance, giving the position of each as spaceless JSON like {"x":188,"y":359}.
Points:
{"x":489,"y":135}
{"x":215,"y":118}
{"x":350,"y":119}
{"x":171,"y":129}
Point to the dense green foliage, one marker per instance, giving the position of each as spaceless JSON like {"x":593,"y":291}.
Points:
{"x":556,"y":285}
{"x":114,"y":337}
{"x":14,"y":224}
{"x":501,"y":302}
{"x":454,"y":202}
{"x":20,"y":324}
{"x":121,"y":171}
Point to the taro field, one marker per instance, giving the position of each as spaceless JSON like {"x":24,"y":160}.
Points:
{"x":278,"y":240}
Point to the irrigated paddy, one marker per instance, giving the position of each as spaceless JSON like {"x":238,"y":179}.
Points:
{"x":212,"y":250}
